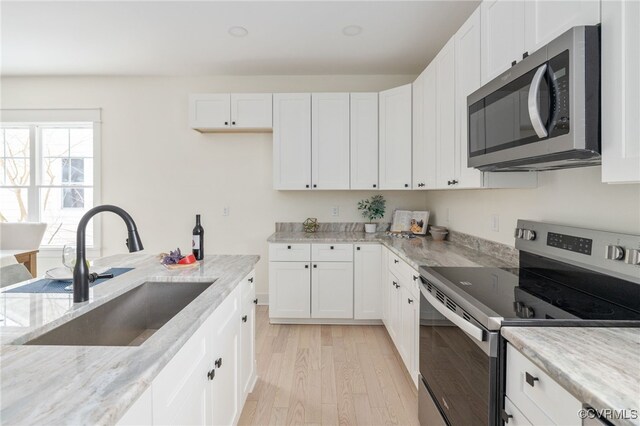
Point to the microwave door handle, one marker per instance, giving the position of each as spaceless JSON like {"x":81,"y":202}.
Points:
{"x":473,"y":331}
{"x":534,"y":108}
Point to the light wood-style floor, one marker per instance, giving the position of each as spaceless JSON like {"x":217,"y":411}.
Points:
{"x":329,"y":375}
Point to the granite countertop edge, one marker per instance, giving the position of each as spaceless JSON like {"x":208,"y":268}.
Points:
{"x":574,"y":366}
{"x":123,"y":373}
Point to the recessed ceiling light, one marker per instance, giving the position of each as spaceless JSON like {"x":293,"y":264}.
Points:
{"x":352,"y":30}
{"x":238,"y":31}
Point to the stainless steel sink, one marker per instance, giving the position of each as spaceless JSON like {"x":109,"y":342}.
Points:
{"x":127,"y":320}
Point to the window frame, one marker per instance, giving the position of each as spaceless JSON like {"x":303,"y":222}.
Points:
{"x":7,"y":120}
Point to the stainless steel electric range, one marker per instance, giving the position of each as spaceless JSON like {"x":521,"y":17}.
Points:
{"x":567,"y":276}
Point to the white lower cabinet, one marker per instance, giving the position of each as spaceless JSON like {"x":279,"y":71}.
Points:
{"x":289,"y":290}
{"x":332,"y":290}
{"x":205,"y":383}
{"x":367,"y":281}
{"x":410,"y":319}
{"x":537,"y":398}
{"x":394,"y":295}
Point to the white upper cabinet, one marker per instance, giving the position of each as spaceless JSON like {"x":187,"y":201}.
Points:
{"x":620,"y":91}
{"x":546,"y":20}
{"x":224,"y":112}
{"x":424,"y":129}
{"x":330,"y":140}
{"x":252,"y":111}
{"x":364,"y":140}
{"x":209,"y":112}
{"x":502,"y":36}
{"x":395,"y":138}
{"x":292,"y":140}
{"x":445,"y":111}
{"x":467,"y":74}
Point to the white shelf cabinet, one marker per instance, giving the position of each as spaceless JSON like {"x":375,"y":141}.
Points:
{"x":330,"y":140}
{"x":367,"y":281}
{"x":235,"y":112}
{"x":332,"y":290}
{"x":395,"y":138}
{"x":364,"y":140}
{"x":292,"y":141}
{"x":620,"y":91}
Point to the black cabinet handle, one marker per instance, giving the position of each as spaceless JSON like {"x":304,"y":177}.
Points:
{"x":357,"y":248}
{"x":375,"y":186}
{"x":530,"y":379}
{"x":505,"y":416}
{"x":415,"y":278}
{"x":525,"y":54}
{"x":251,"y":279}
{"x":513,"y":63}
{"x":288,"y":247}
{"x":211,"y":374}
{"x":218,"y":363}
{"x":396,"y":261}
{"x":255,"y":301}
{"x":331,"y":247}
{"x":244,"y":318}
{"x":454,"y":181}
{"x":410,"y":301}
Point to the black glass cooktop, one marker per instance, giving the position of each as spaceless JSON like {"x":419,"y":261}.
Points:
{"x":542,"y":289}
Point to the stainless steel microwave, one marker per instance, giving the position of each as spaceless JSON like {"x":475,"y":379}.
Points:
{"x":544,"y":112}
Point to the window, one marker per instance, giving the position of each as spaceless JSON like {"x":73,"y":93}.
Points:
{"x":47,"y":175}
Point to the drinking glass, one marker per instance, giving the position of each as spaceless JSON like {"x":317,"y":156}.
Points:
{"x":69,"y":256}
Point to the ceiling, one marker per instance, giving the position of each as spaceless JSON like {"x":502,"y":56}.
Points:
{"x":192,"y":38}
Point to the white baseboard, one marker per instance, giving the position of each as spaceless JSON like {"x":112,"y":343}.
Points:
{"x":328,"y":321}
{"x":263,"y":298}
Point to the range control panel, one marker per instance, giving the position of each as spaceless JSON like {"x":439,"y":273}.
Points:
{"x":570,"y":242}
{"x":606,"y":252}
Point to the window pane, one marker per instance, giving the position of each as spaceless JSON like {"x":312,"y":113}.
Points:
{"x":14,"y":157}
{"x":14,"y":171}
{"x":81,"y":142}
{"x":13,"y":204}
{"x":16,"y":142}
{"x":55,"y":142}
{"x":63,"y":221}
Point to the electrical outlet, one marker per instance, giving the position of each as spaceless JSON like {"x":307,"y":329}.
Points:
{"x":495,"y":223}
{"x":335,"y":211}
{"x":225,"y":211}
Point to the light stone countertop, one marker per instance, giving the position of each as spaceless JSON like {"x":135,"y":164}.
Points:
{"x":419,"y":251}
{"x":96,"y":385}
{"x":598,"y":366}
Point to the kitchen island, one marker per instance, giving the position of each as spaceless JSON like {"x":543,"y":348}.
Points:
{"x":98,"y":384}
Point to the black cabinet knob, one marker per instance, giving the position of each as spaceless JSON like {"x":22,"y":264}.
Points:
{"x":396,"y":261}
{"x":331,"y":247}
{"x":357,"y":248}
{"x":505,"y":416}
{"x":244,"y":318}
{"x":306,"y":186}
{"x":306,"y":266}
{"x":415,"y":278}
{"x":211,"y":374}
{"x":315,"y":186}
{"x":233,"y":123}
{"x":406,"y":185}
{"x":531,"y":380}
{"x":218,"y":363}
{"x":375,"y":186}
{"x":455,"y":181}
{"x":288,"y":247}
{"x":410,"y":301}
{"x":251,"y":279}
{"x":315,"y":266}
{"x":525,"y":54}
{"x":226,"y":123}
{"x":255,"y":301}
{"x":513,"y":63}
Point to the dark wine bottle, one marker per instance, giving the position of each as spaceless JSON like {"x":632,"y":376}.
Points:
{"x":197,"y":243}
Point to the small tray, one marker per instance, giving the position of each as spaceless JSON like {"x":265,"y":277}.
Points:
{"x":177,"y":267}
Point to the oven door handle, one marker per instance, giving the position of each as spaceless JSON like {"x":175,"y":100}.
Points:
{"x":473,"y":331}
{"x":534,"y":108}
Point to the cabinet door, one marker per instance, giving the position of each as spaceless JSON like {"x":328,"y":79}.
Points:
{"x":424,"y":129}
{"x":409,"y":319}
{"x":546,"y":20}
{"x":292,"y":141}
{"x":252,"y":111}
{"x":502,"y":36}
{"x":364,"y":140}
{"x":182,"y":392}
{"x":394,"y":298}
{"x":224,"y":333}
{"x":395,"y":138}
{"x":332,"y":290}
{"x":330,"y":140}
{"x":209,"y":111}
{"x":247,"y":349}
{"x":467,"y":78}
{"x":446,"y":86}
{"x":141,"y":412}
{"x":289,"y":290}
{"x":620,"y":91}
{"x":367,"y":281}
{"x":384,"y":273}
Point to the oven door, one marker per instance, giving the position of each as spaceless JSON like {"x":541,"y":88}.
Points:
{"x":458,"y":362}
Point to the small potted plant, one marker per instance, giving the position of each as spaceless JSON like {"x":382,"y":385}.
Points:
{"x":372,"y":209}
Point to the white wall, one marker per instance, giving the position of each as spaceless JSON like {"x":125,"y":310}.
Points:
{"x":574,"y":197}
{"x":163,"y":173}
